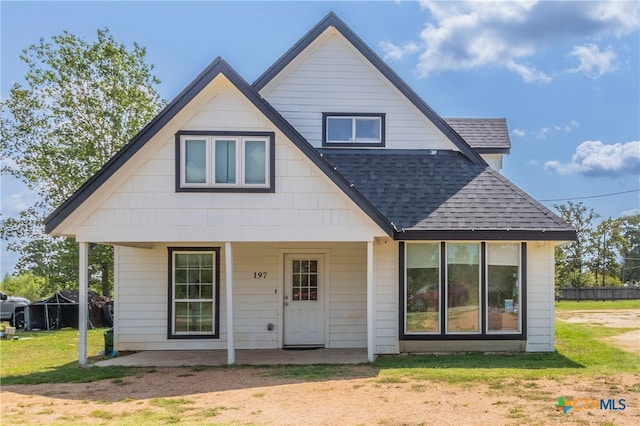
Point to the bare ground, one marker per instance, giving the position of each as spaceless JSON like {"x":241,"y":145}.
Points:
{"x":242,"y":396}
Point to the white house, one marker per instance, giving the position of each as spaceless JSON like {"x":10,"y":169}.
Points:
{"x":324,"y":205}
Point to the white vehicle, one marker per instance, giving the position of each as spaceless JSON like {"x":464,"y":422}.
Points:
{"x":12,"y":309}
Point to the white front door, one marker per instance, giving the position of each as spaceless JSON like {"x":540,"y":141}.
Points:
{"x":304,"y":300}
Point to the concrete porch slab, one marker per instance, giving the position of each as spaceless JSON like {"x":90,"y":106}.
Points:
{"x":184,"y":358}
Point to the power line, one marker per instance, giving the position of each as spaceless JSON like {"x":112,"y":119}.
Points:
{"x":593,"y":196}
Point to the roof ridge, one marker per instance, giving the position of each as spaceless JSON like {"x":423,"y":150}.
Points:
{"x":332,"y":20}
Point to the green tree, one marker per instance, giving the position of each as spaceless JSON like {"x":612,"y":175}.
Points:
{"x":81,"y":102}
{"x":630,"y":228}
{"x":571,"y":259}
{"x":606,"y":245}
{"x":25,"y":285}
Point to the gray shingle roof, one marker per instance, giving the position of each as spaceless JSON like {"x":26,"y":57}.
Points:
{"x":424,"y":190}
{"x":485,"y":135}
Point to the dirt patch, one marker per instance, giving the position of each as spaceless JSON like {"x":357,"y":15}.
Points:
{"x":254,"y":396}
{"x":624,"y":318}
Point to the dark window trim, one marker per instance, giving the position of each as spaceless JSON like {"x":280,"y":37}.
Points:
{"x":216,"y":313}
{"x":483,"y":335}
{"x":326,"y":115}
{"x":272,"y":160}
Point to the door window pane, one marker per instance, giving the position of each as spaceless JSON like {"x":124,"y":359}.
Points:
{"x":304,"y":280}
{"x":195,"y":161}
{"x":423,"y":288}
{"x":255,"y":156}
{"x":463,"y":287}
{"x":225,"y":161}
{"x":503,"y":287}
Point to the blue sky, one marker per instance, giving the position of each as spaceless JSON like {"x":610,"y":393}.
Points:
{"x":565,"y":74}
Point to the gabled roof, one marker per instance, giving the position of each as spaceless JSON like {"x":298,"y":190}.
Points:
{"x":217,"y":67}
{"x":409,"y":194}
{"x":485,"y":135}
{"x":429,"y":194}
{"x":332,"y":20}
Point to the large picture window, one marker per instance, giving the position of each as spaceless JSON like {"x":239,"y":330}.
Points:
{"x":225,"y":161}
{"x":194,"y":292}
{"x":462,"y":290}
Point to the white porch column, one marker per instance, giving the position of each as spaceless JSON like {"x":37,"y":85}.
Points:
{"x":228,"y":258}
{"x":370,"y":303}
{"x":83,"y":302}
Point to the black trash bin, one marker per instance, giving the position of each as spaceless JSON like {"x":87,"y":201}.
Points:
{"x":108,"y":341}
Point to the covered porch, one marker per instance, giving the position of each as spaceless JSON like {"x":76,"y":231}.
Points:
{"x":187,"y":358}
{"x":255,"y":299}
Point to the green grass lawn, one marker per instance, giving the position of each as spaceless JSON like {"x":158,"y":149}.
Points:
{"x":51,"y":357}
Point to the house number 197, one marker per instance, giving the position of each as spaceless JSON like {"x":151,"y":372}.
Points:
{"x":259,"y":275}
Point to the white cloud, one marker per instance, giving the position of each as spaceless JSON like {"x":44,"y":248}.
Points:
{"x":17,"y":202}
{"x":396,"y":53}
{"x":593,"y":158}
{"x":567,"y":127}
{"x":465,"y":35}
{"x":631,"y":212}
{"x":519,"y":133}
{"x":593,"y":62}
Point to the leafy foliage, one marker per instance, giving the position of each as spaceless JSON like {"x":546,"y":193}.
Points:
{"x":24,"y":285}
{"x":81,"y":102}
{"x":605,"y":255}
{"x":630,"y":228}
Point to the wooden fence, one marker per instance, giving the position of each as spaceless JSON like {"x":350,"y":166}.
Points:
{"x":598,"y":293}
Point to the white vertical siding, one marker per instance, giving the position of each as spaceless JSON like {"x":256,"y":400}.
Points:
{"x":540,"y":297}
{"x":141,"y":286}
{"x":386,"y":296}
{"x":332,"y":76}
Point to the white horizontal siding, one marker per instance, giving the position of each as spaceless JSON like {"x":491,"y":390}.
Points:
{"x":139,"y":203}
{"x":331,"y":76}
{"x":141,"y":289}
{"x":306,"y":206}
{"x":540,"y":297}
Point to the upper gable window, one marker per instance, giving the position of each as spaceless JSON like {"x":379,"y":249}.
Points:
{"x":344,"y":129}
{"x":225,"y":161}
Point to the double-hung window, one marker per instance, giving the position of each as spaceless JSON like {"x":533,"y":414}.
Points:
{"x":225,"y":161}
{"x":194,"y":292}
{"x":344,"y":129}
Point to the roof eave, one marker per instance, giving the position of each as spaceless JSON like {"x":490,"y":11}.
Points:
{"x":218,"y":66}
{"x":487,"y":235}
{"x":138,"y":141}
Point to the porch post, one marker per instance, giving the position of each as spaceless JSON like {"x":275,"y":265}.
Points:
{"x":83,"y":272}
{"x":228,"y":257}
{"x":370,"y":303}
